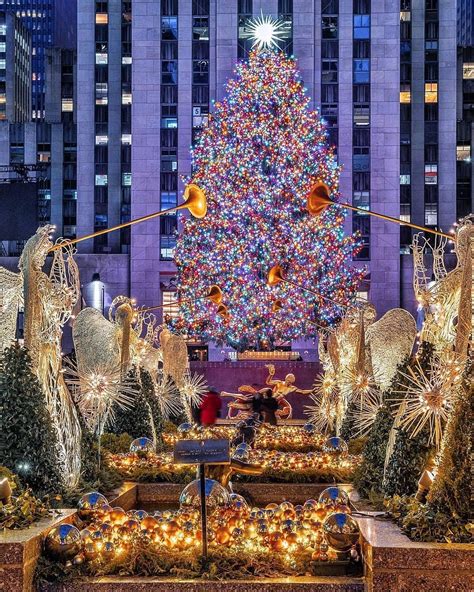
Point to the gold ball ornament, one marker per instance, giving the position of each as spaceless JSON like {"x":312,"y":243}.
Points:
{"x":216,"y":495}
{"x":333,"y":496}
{"x":335,"y":447}
{"x":63,"y":542}
{"x":341,"y":531}
{"x":91,"y":503}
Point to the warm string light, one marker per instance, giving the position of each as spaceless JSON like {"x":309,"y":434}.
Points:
{"x":257,"y":158}
{"x":272,"y":461}
{"x":297,"y":531}
{"x":287,"y":437}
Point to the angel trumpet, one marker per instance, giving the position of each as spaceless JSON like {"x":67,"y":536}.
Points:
{"x":194,"y":200}
{"x":215,"y":294}
{"x":318,"y":199}
{"x":223,"y":311}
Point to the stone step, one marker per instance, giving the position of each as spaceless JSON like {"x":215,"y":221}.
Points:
{"x":142,"y":584}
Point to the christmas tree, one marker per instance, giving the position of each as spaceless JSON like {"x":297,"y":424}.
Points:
{"x":29,"y":442}
{"x":256,"y":161}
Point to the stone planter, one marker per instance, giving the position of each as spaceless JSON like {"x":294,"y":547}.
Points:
{"x":19,"y":552}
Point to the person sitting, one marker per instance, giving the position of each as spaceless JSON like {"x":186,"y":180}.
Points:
{"x":257,"y":402}
{"x":210,"y":407}
{"x":269,"y":407}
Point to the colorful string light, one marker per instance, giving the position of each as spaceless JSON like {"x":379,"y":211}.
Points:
{"x":256,"y":161}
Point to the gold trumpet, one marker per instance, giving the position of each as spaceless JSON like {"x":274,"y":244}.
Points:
{"x":318,"y":200}
{"x":195,"y":202}
{"x":275,"y":276}
{"x":214,"y":295}
{"x":223,"y":311}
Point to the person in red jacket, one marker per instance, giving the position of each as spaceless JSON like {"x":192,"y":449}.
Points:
{"x":210,"y":407}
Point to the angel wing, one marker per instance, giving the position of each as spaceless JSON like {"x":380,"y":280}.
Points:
{"x":11,"y":288}
{"x":96,"y":340}
{"x":175,"y":358}
{"x":390,"y":340}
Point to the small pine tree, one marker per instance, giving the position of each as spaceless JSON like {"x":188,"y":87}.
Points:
{"x":347,"y":427}
{"x":29,"y":445}
{"x":369,"y":476}
{"x":409,"y":454}
{"x":135,"y":419}
{"x":450,"y":493}
{"x":148,"y":393}
{"x":406,"y":464}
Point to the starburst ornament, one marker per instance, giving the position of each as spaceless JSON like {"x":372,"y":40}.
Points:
{"x":429,"y":397}
{"x":193,"y":388}
{"x":364,"y":414}
{"x":326,"y":413}
{"x":265,"y":31}
{"x":167,"y":395}
{"x":97,"y":391}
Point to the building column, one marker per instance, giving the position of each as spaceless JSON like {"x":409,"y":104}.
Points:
{"x":447,"y":114}
{"x":86,"y":121}
{"x":385,"y":156}
{"x":145,"y":245}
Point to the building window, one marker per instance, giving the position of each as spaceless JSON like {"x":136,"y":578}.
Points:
{"x":169,"y":28}
{"x":329,"y":27}
{"x":431,"y":174}
{"x":126,"y":98}
{"x":361,"y":71}
{"x":405,"y":212}
{"x":101,"y":18}
{"x":201,"y":29}
{"x":167,"y":247}
{"x":361,"y":26}
{"x":100,"y":180}
{"x":431,"y":214}
{"x":431,"y":92}
{"x":170,"y":305}
{"x":405,"y":180}
{"x":169,"y":199}
{"x":468,"y":70}
{"x":463,"y":152}
{"x":361,"y":226}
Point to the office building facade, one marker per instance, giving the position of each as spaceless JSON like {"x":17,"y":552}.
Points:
{"x":51,"y":23}
{"x":15,"y":69}
{"x":381,"y":74}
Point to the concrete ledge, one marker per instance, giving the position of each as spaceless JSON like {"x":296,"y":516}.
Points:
{"x":394,"y":563}
{"x":20,"y":549}
{"x":321,"y":584}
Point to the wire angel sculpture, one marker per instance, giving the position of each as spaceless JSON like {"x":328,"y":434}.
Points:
{"x":49,"y":302}
{"x":441,"y":298}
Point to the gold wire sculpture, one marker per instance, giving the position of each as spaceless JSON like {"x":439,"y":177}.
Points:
{"x":428,"y":399}
{"x":126,"y":339}
{"x":175,"y":357}
{"x":389,"y":341}
{"x":49,"y":301}
{"x":328,"y":410}
{"x":440,"y":299}
{"x":168,"y":396}
{"x":11,"y":291}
